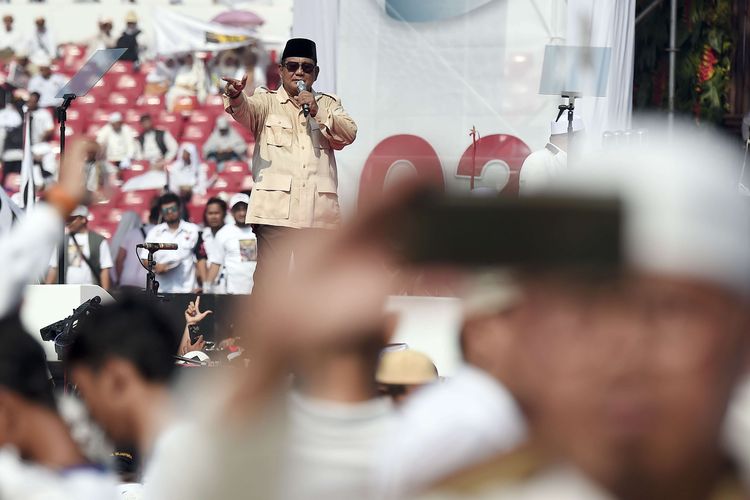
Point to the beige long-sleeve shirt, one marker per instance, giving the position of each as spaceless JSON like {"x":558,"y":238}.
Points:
{"x":293,"y":166}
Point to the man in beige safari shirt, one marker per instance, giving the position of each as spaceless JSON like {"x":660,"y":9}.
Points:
{"x":293,"y":165}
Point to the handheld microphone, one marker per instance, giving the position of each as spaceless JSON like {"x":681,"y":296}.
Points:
{"x":153,"y":247}
{"x":301,"y":88}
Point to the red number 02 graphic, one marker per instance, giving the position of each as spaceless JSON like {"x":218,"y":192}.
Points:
{"x":405,"y":154}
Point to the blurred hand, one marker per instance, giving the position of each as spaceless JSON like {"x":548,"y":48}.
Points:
{"x":234,"y":87}
{"x":161,"y":268}
{"x":193,"y":313}
{"x":72,"y":178}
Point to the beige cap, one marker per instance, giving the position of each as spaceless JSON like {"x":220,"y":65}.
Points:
{"x":131,"y":17}
{"x":405,"y":367}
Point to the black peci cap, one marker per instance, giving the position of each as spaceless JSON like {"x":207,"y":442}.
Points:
{"x":300,"y":47}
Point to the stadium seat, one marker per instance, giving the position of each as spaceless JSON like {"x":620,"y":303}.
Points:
{"x":138,"y":200}
{"x":195,"y":212}
{"x":229,"y":182}
{"x":106,"y":229}
{"x":185,"y":104}
{"x":118,"y":101}
{"x":153,"y":104}
{"x":174,"y":128}
{"x":236,"y":167}
{"x":202,"y":116}
{"x":122,"y":67}
{"x":130,"y":84}
{"x":139,"y":166}
{"x":214,"y":101}
{"x":196,"y":133}
{"x":93,"y":129}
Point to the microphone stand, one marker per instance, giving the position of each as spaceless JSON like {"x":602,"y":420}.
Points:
{"x":570,"y":107}
{"x":152,"y":286}
{"x":62,"y":116}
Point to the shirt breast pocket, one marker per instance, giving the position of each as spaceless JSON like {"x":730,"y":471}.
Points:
{"x":319,"y":141}
{"x":278,"y":131}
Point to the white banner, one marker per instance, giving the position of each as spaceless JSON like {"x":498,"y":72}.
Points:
{"x":418,"y":81}
{"x":175,"y":33}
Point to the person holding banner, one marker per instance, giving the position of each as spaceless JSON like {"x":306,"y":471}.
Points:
{"x":296,"y":130}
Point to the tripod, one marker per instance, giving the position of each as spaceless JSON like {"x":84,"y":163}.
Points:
{"x":152,"y":286}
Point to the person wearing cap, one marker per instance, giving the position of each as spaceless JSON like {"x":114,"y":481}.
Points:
{"x":117,"y":141}
{"x":47,"y":84}
{"x":38,"y":456}
{"x":154,"y":144}
{"x":11,"y":40}
{"x":41,"y":42}
{"x":104,"y":39}
{"x":542,"y":168}
{"x":402,"y":372}
{"x":224,"y":144}
{"x":235,"y":249}
{"x":627,"y":375}
{"x":175,"y":269}
{"x":129,"y":39}
{"x":87,"y":254}
{"x":190,"y":81}
{"x":294,"y":167}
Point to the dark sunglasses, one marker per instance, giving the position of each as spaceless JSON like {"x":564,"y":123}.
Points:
{"x":167,"y":210}
{"x":292,"y":67}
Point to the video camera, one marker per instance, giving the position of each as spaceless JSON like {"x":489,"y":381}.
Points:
{"x":63,"y":332}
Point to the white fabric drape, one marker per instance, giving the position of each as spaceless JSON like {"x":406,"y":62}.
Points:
{"x":606,"y":24}
{"x":318,"y":20}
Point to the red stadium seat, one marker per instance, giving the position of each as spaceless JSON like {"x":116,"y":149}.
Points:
{"x":238,"y":167}
{"x":196,"y":133}
{"x":174,"y":128}
{"x":195,"y":212}
{"x":118,"y":100}
{"x":202,"y":116}
{"x":122,"y":67}
{"x":130,"y":83}
{"x":140,"y":199}
{"x":153,"y":104}
{"x":126,"y":174}
{"x":229,"y":182}
{"x":105,"y":229}
{"x":185,"y":104}
{"x":139,"y":166}
{"x":93,"y":129}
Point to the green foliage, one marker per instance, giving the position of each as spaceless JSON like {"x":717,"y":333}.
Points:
{"x":703,"y":33}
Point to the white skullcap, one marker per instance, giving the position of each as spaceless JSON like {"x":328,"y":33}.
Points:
{"x":239,"y":198}
{"x":41,"y":60}
{"x":561,"y":126}
{"x":683,"y":212}
{"x":115,"y":117}
{"x":80,"y":211}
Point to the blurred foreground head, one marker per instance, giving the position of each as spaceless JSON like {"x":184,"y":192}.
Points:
{"x":629,"y":374}
{"x":121,"y":360}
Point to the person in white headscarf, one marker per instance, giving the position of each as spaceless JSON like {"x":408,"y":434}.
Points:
{"x":130,"y":220}
{"x":224,"y":144}
{"x":185,"y":173}
{"x":542,"y":167}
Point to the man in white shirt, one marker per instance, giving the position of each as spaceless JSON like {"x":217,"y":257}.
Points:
{"x":236,"y":248}
{"x":155,"y":145}
{"x":46,"y":83}
{"x":10,"y":39}
{"x":541,"y":168}
{"x":117,"y":140}
{"x":41,"y":41}
{"x":84,"y":266}
{"x":175,"y":269}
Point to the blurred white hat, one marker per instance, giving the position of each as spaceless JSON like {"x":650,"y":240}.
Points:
{"x":41,"y":60}
{"x":115,"y":117}
{"x":222,"y":123}
{"x":405,"y":367}
{"x":80,"y":211}
{"x":561,"y":126}
{"x":683,"y":213}
{"x":239,"y":198}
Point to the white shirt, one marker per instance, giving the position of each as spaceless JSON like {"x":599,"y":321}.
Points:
{"x":12,"y":39}
{"x":471,"y":414}
{"x":330,"y":451}
{"x":77,"y":272}
{"x":133,"y":273}
{"x":236,"y":248}
{"x":118,"y":146}
{"x":220,"y":283}
{"x":41,"y":123}
{"x":21,"y":480}
{"x":41,"y":43}
{"x":47,"y":89}
{"x":540,"y":169}
{"x":28,"y":246}
{"x":150,"y":150}
{"x":181,"y":276}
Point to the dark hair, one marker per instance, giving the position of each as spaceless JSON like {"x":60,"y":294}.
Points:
{"x":134,"y":329}
{"x":23,"y":364}
{"x":37,"y":94}
{"x":168,"y":198}
{"x":145,"y":116}
{"x":214,"y":200}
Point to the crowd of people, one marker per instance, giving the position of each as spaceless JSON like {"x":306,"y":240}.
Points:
{"x":611,"y":367}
